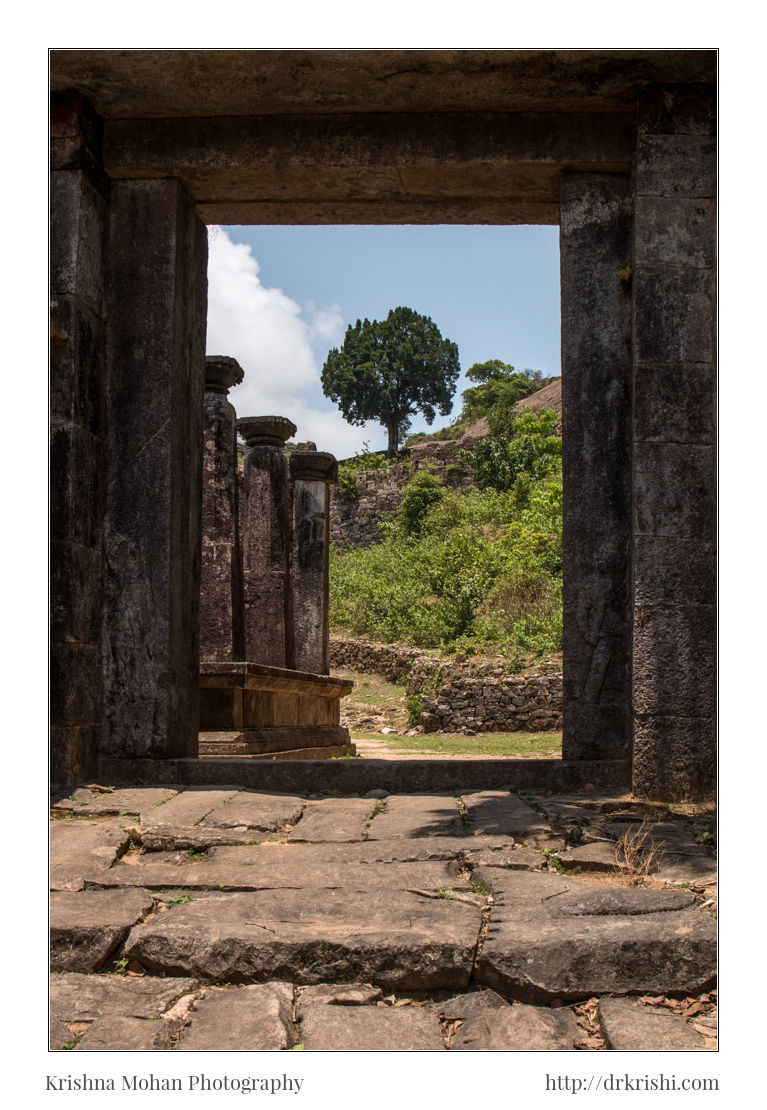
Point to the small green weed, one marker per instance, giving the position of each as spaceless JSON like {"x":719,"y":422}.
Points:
{"x":69,"y":1045}
{"x":448,"y":894}
{"x":554,"y":861}
{"x":705,"y":837}
{"x":297,"y":1048}
{"x":195,"y":856}
{"x":182,"y":898}
{"x":478,"y":887}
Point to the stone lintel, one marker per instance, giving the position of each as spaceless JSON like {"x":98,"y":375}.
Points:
{"x":313,"y":466}
{"x":222,"y":373}
{"x":266,"y":431}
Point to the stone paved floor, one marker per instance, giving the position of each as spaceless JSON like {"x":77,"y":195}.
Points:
{"x":221,"y":918}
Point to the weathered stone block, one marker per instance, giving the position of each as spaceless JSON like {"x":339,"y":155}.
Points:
{"x":674,"y":757}
{"x":75,"y":696}
{"x":675,"y":231}
{"x":677,"y":110}
{"x":77,"y":244}
{"x":254,"y":1018}
{"x":77,"y":593}
{"x":675,"y":402}
{"x":74,"y":752}
{"x":78,"y":390}
{"x":672,"y":570}
{"x":675,"y":661}
{"x":370,"y":1028}
{"x":629,"y":1026}
{"x":676,"y":166}
{"x":88,"y":925}
{"x":674,"y":314}
{"x":675,"y":490}
{"x":78,"y":487}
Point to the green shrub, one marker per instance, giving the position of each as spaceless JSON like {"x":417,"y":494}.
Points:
{"x":414,"y":709}
{"x":362,"y":461}
{"x":422,"y":492}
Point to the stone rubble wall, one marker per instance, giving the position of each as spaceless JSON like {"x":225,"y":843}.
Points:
{"x":354,"y":521}
{"x":459,"y":695}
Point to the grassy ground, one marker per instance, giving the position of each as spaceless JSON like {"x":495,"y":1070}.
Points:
{"x":544,"y":744}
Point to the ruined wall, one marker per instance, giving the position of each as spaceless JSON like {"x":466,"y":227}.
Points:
{"x":461,"y":695}
{"x":354,"y":521}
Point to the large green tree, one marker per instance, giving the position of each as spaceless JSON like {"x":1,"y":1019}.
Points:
{"x":498,"y":387}
{"x":388,"y":370}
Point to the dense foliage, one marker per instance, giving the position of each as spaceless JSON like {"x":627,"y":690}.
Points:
{"x":477,"y":570}
{"x":520,"y":451}
{"x":388,"y":370}
{"x":350,"y":468}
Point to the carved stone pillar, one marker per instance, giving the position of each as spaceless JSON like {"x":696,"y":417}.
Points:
{"x":265,"y":526}
{"x":312,"y":473}
{"x":222,"y":627}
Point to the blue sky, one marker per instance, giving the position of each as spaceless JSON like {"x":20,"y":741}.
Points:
{"x":281,"y":297}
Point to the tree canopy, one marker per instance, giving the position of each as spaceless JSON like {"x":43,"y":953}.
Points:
{"x":388,"y":370}
{"x":498,"y":387}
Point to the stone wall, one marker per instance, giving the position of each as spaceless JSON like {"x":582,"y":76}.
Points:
{"x":354,"y":521}
{"x":461,"y":695}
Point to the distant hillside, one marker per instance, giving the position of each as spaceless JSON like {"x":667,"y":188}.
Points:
{"x":439,"y":446}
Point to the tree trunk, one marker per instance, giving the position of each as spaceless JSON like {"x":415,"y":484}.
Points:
{"x":392,"y":430}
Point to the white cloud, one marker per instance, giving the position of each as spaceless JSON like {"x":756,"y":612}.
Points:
{"x":264,"y":329}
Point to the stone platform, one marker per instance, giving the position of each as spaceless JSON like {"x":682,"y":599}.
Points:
{"x":220,"y":918}
{"x":252,"y":711}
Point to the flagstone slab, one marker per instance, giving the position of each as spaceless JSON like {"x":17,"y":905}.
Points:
{"x":293,"y":873}
{"x":261,"y":812}
{"x":370,"y":1028}
{"x":517,"y":858}
{"x":368,"y":851}
{"x":128,"y":1034}
{"x":80,"y":848}
{"x":388,"y":937}
{"x":162,"y":838}
{"x":630,"y":1026}
{"x":499,"y":813}
{"x":554,"y":936}
{"x":410,"y":816}
{"x":59,"y":1035}
{"x":187,"y":808}
{"x":252,"y":1018}
{"x":334,"y":820}
{"x":680,"y":857}
{"x":75,"y":997}
{"x":517,"y":1028}
{"x":86,"y":802}
{"x":597,"y":855}
{"x":339,"y":994}
{"x":86,"y":926}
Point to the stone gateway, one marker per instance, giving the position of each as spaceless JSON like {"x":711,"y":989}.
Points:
{"x":617,"y":147}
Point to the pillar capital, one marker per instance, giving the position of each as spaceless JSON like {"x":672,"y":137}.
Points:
{"x":313,"y":466}
{"x":222,"y":373}
{"x":266,"y":431}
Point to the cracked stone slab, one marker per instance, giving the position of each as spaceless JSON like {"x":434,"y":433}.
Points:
{"x":75,"y":997}
{"x":629,"y":1026}
{"x":86,"y":926}
{"x":162,"y":838}
{"x":86,"y":802}
{"x":59,"y":1035}
{"x":499,"y":813}
{"x":365,"y":1028}
{"x":264,"y":873}
{"x":80,"y":848}
{"x":187,"y":808}
{"x":127,"y":1034}
{"x":260,"y":812}
{"x":553,"y":936}
{"x":387,"y":937}
{"x":334,"y":820}
{"x":254,"y":1018}
{"x":338,"y":994}
{"x":367,"y":851}
{"x":417,"y":816}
